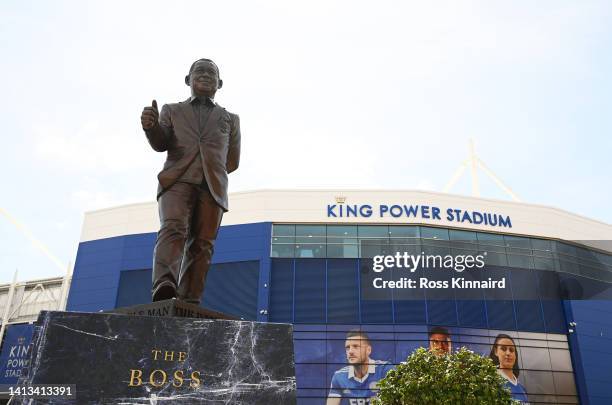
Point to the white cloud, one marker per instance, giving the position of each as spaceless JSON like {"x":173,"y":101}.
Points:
{"x":93,"y":147}
{"x":88,"y":200}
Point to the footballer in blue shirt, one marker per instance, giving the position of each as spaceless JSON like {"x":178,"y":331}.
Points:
{"x":505,"y":356}
{"x":356,"y":383}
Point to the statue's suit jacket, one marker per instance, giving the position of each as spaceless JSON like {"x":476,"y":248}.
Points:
{"x":218,"y":146}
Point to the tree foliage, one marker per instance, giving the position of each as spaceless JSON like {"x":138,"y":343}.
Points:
{"x":454,"y":379}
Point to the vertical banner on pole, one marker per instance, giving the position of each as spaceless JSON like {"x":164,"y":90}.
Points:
{"x":15,"y":352}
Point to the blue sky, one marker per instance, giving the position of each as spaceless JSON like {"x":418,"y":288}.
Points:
{"x":330,"y":94}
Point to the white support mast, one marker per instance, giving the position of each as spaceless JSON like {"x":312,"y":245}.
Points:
{"x":7,"y":310}
{"x":474,"y":162}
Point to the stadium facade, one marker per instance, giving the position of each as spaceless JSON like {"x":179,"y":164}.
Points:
{"x":304,"y":257}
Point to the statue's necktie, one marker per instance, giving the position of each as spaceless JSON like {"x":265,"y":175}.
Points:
{"x":202,"y":116}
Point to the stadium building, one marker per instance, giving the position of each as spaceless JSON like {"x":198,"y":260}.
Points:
{"x":305,"y":257}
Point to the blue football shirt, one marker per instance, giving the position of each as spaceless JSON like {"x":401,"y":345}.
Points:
{"x":517,"y":392}
{"x":354,"y":390}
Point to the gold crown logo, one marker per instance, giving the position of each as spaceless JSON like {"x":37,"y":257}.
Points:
{"x":340,"y":199}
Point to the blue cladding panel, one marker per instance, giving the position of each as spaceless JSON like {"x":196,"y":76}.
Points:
{"x":139,"y":248}
{"x":312,"y":381}
{"x":309,"y":291}
{"x":94,"y":283}
{"x":281,"y":291}
{"x":472,"y":314}
{"x":232,"y":288}
{"x":379,"y":311}
{"x":134,"y":288}
{"x":95,"y":280}
{"x":591,"y":349}
{"x":442,"y":312}
{"x":529,"y":315}
{"x":242,"y":242}
{"x":554,"y":317}
{"x":501,"y":314}
{"x":342,"y":291}
{"x":413,"y":312}
{"x":374,"y":310}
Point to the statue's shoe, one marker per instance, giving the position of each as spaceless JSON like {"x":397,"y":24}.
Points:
{"x":164,"y":291}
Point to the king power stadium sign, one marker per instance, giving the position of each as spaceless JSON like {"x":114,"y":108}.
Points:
{"x":341,"y":210}
{"x":15,"y":352}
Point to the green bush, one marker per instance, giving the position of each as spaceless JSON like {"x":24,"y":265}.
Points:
{"x":454,"y":379}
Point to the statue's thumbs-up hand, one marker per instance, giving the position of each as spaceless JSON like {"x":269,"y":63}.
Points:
{"x":150,"y":116}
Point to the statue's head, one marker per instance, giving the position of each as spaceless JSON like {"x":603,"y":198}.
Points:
{"x":203,"y":78}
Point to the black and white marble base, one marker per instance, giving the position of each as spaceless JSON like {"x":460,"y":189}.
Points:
{"x":124,"y":359}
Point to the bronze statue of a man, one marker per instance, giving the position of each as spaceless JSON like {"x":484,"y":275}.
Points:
{"x":203,"y":144}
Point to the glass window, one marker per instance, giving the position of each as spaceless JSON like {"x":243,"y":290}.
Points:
{"x":354,"y":241}
{"x":310,"y":234}
{"x":283,"y":230}
{"x":336,"y":250}
{"x":490,"y":238}
{"x":404,"y":239}
{"x":565,"y":249}
{"x":543,"y":258}
{"x":494,"y":258}
{"x":373,"y":231}
{"x":435,"y":248}
{"x":542,"y":246}
{"x":604,"y":258}
{"x":434,"y":233}
{"x":373,"y":240}
{"x":463,"y":252}
{"x":403,"y":231}
{"x":492,"y":243}
{"x":566,"y":257}
{"x":568,"y":265}
{"x":343,"y":231}
{"x":585,"y":254}
{"x":517,"y":242}
{"x":465,"y":236}
{"x":544,"y":263}
{"x":341,"y":234}
{"x":520,"y":259}
{"x":463,"y":242}
{"x":434,"y":241}
{"x":283,"y":239}
{"x":595,"y":272}
{"x":310,"y":230}
{"x":374,"y":247}
{"x":519,"y":252}
{"x":411,"y":249}
{"x":280,"y":250}
{"x":309,"y":250}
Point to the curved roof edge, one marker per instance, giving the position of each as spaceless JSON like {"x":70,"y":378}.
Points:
{"x":313,"y":206}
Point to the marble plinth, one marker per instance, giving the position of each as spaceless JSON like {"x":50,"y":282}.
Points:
{"x":125,"y":359}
